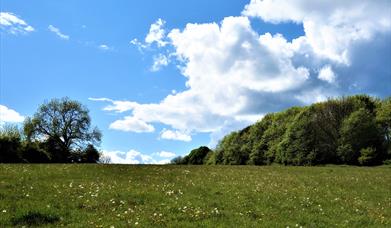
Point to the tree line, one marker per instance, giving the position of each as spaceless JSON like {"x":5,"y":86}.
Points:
{"x":59,"y":132}
{"x":354,"y":130}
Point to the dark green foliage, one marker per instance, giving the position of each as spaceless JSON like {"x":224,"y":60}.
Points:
{"x":177,"y":160}
{"x":367,"y":156}
{"x":383,"y":119}
{"x":10,"y":144}
{"x":91,"y":154}
{"x":360,"y":131}
{"x":199,"y":156}
{"x":33,"y":152}
{"x":233,"y":149}
{"x":349,"y":130}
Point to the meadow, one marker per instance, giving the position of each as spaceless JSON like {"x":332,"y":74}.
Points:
{"x":194,"y":196}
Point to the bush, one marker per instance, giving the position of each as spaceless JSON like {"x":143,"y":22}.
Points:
{"x":368,"y":156}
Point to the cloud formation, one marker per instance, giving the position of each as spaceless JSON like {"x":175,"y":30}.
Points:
{"x":156,"y":34}
{"x":8,"y":115}
{"x":327,"y":74}
{"x":136,"y":157}
{"x":13,"y":24}
{"x":235,"y":75}
{"x":58,"y":32}
{"x":175,"y":135}
{"x":133,"y":124}
{"x":159,"y":61}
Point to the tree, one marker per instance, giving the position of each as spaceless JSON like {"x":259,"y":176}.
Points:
{"x":177,"y":160}
{"x":359,"y":131}
{"x":383,"y":119}
{"x":91,"y":154}
{"x":64,"y":125}
{"x":197,"y":156}
{"x":10,"y":144}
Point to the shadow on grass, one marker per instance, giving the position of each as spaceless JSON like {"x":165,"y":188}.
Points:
{"x":33,"y":218}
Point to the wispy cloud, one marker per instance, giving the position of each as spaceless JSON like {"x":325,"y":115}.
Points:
{"x":13,"y":24}
{"x":105,"y":47}
{"x":159,"y":61}
{"x":58,"y":32}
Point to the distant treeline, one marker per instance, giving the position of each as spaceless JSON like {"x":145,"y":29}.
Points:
{"x":353,"y":130}
{"x":59,"y":132}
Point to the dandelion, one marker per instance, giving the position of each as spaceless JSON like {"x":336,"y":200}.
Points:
{"x":4,"y":211}
{"x":136,"y":223}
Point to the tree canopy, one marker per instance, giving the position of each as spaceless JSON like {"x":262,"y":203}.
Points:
{"x":352,"y":130}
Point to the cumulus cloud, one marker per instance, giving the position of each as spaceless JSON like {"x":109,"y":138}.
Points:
{"x":58,"y":32}
{"x":13,"y":24}
{"x":327,"y":74}
{"x":135,"y":157}
{"x":8,"y":115}
{"x":175,"y":135}
{"x":156,"y":34}
{"x":133,"y":124}
{"x":331,"y":27}
{"x":234,"y":75}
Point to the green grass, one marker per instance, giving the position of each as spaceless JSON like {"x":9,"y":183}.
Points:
{"x":194,"y":196}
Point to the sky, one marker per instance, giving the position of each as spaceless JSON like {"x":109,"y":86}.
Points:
{"x":161,"y":78}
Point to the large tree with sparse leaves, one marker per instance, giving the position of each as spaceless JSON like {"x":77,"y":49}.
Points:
{"x":64,"y":125}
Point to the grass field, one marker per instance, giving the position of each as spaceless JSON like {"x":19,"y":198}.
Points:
{"x":194,"y":196}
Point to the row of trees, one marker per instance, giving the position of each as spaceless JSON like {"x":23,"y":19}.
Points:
{"x":60,"y":131}
{"x":352,"y":130}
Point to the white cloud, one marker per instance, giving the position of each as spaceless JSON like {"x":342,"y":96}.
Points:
{"x":130,"y":157}
{"x":175,"y":135}
{"x":327,"y":74}
{"x":135,"y":157}
{"x":166,"y":154}
{"x":159,"y":61}
{"x":132,"y":124}
{"x":8,"y":115}
{"x":331,"y":27}
{"x":58,"y":32}
{"x":13,"y":24}
{"x":117,"y":106}
{"x":156,"y":34}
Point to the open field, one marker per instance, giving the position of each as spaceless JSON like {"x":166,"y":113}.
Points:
{"x":194,"y":196}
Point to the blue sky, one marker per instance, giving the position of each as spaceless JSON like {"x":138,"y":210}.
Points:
{"x":163,"y":77}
